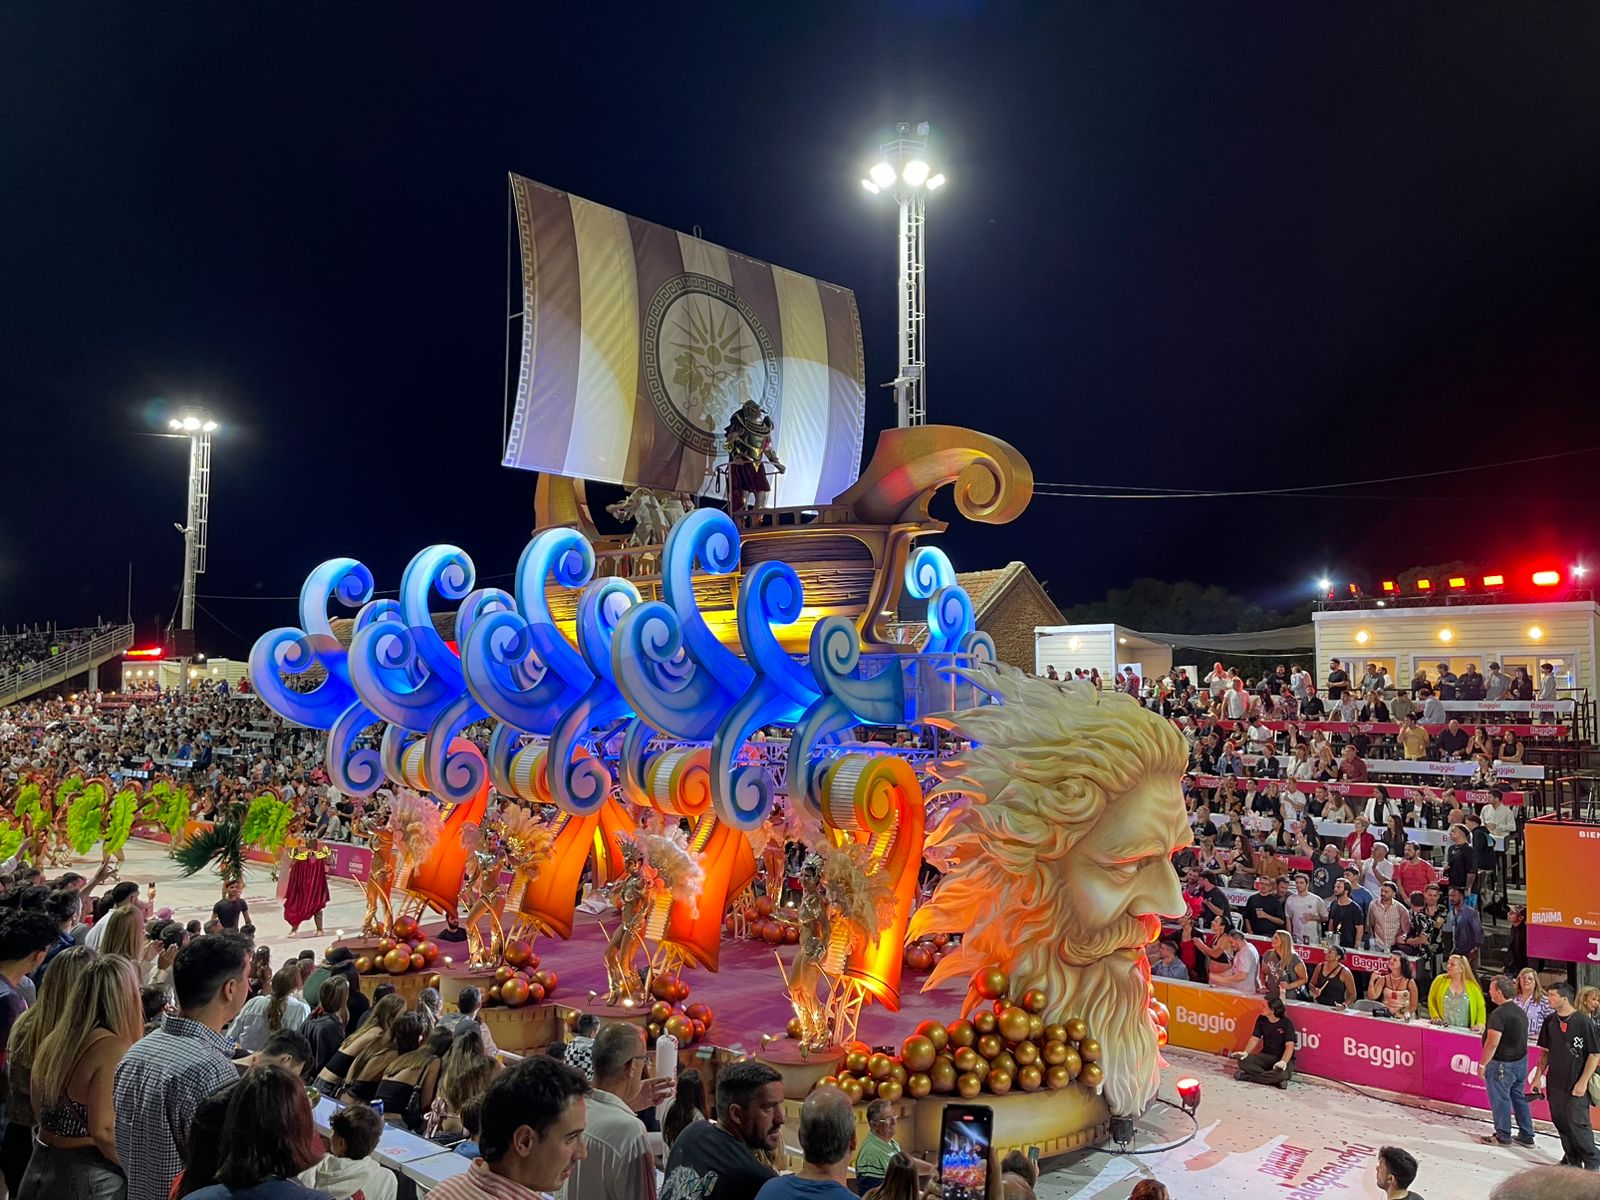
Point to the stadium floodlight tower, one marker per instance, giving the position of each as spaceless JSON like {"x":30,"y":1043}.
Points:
{"x":902,"y":170}
{"x":197,"y":425}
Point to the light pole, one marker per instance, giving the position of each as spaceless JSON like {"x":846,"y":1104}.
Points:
{"x":902,"y":170}
{"x":197,"y":424}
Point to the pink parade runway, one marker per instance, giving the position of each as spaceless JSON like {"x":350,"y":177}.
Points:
{"x":745,"y":994}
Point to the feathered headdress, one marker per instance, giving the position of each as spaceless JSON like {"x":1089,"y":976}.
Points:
{"x":266,"y":822}
{"x":10,"y":840}
{"x":416,"y":825}
{"x":864,"y":902}
{"x":680,"y":873}
{"x":29,"y":805}
{"x":166,"y":806}
{"x":86,"y":818}
{"x":119,"y":818}
{"x":529,"y":840}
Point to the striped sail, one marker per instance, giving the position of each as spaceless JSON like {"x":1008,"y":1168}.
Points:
{"x":639,"y":342}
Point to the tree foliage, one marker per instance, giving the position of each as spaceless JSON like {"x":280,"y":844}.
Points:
{"x":1187,"y":607}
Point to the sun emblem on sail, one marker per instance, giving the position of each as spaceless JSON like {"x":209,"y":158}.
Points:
{"x":705,"y":353}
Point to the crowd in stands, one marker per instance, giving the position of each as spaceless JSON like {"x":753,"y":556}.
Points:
{"x":27,"y":648}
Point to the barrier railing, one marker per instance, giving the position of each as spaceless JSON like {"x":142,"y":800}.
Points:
{"x":57,"y":669}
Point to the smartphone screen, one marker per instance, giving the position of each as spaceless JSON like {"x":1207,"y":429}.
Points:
{"x":966,"y":1132}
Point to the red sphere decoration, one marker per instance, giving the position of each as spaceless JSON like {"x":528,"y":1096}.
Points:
{"x":429,"y":952}
{"x":992,"y":983}
{"x":503,"y":973}
{"x":791,"y":934}
{"x":519,"y":952}
{"x":364,"y":965}
{"x":680,"y":1027}
{"x":773,"y":932}
{"x":919,"y":958}
{"x":536,"y":992}
{"x":661,"y":988}
{"x":697,"y":1011}
{"x":764,"y":905}
{"x":660,"y":1010}
{"x":432,"y":981}
{"x":396,"y":961}
{"x":417,"y":961}
{"x":699,"y":1029}
{"x":794,"y":1028}
{"x":385,"y":944}
{"x":1034,"y":1000}
{"x":405,"y":928}
{"x":492,"y":995}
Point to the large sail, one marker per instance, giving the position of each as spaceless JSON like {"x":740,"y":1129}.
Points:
{"x":639,"y":342}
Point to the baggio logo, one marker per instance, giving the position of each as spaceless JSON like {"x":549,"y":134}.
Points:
{"x":1307,"y":1039}
{"x":1207,"y":1022}
{"x":1386,"y":1058}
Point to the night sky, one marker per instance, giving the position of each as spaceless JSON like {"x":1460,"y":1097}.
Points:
{"x":1221,"y":246}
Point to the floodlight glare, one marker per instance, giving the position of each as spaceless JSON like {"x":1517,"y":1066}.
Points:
{"x":209,"y":427}
{"x":882,"y":174}
{"x":174,"y":424}
{"x":1324,"y":584}
{"x":870,"y":186}
{"x":936,"y":182}
{"x":915,"y":172}
{"x":191,"y":423}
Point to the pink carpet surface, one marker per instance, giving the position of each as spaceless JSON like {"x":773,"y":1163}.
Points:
{"x":746,"y":993}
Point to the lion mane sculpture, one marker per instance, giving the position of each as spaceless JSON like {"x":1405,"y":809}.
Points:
{"x":1060,"y":853}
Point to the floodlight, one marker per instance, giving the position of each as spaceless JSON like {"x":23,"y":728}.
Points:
{"x":870,"y":186}
{"x":191,"y":423}
{"x":936,"y":182}
{"x":174,"y":424}
{"x":882,"y":174}
{"x":915,"y":172}
{"x":209,"y":427}
{"x":1324,"y":584}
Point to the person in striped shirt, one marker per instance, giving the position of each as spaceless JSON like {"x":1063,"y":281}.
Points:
{"x":531,"y":1136}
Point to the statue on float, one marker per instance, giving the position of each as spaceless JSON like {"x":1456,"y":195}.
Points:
{"x":653,"y":512}
{"x":748,"y":440}
{"x":1062,"y":854}
{"x":412,"y":827}
{"x":657,"y":869}
{"x":843,"y":904}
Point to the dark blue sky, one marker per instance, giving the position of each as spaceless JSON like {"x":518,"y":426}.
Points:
{"x":1244,"y":245}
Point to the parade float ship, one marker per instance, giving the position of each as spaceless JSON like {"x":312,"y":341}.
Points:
{"x":716,"y":680}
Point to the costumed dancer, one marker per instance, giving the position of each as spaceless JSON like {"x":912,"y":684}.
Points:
{"x":636,"y":891}
{"x":748,"y":440}
{"x":307,"y":893}
{"x":816,"y":932}
{"x":486,"y":859}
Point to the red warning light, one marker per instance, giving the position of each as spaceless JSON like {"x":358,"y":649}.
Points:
{"x":1546,"y":578}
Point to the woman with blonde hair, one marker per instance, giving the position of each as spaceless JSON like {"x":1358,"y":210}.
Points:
{"x":1530,"y":999}
{"x":467,"y":1073}
{"x":262,"y":1016}
{"x":74,"y":1074}
{"x":1588,"y":1002}
{"x":124,"y":937}
{"x":32,"y":1028}
{"x":374,"y":1031}
{"x":1283,"y":972}
{"x":1455,"y":999}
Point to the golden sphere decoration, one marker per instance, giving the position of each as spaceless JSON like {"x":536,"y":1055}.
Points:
{"x":943,"y":1076}
{"x":1077,"y":1029}
{"x":961,"y":1033}
{"x":1057,"y":1077}
{"x":1055,"y":1033}
{"x":968,"y":1085}
{"x":1073,"y":1063}
{"x":1025,"y":1053}
{"x":985,"y":1021}
{"x":878,"y":1066}
{"x":1055,"y":1053}
{"x":935,"y":1033}
{"x":853,"y":1089}
{"x":1035,"y":1026}
{"x":918,"y":1085}
{"x":1091,"y":1076}
{"x":918,"y":1052}
{"x":999,"y":1082}
{"x":1013,"y":1024}
{"x":1034,"y":1000}
{"x":828,"y":1081}
{"x":397,"y":961}
{"x":1089,"y":1050}
{"x":890,"y":1089}
{"x":898,"y":1072}
{"x":992,"y":983}
{"x":967,"y":1059}
{"x":990,"y":1045}
{"x":1004,"y":1062}
{"x":1030,"y":1078}
{"x":855,"y":1062}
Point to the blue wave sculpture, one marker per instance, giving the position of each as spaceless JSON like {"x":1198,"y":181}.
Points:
{"x":288,"y":651}
{"x":580,"y":785}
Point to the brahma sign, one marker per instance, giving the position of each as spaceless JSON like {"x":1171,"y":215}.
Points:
{"x":1563,"y":902}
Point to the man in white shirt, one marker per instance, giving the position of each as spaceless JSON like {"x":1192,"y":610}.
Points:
{"x":1496,"y":685}
{"x":1299,"y":681}
{"x":1306,"y":911}
{"x":1433,"y":712}
{"x":1377,"y":870}
{"x":1498,"y":816}
{"x":619,"y":1165}
{"x":1242,"y":974}
{"x":1547,"y":681}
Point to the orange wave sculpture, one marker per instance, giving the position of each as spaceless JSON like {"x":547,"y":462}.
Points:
{"x":679,"y":785}
{"x":436,"y":880}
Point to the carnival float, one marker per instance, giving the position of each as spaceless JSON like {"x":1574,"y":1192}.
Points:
{"x":651,"y":724}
